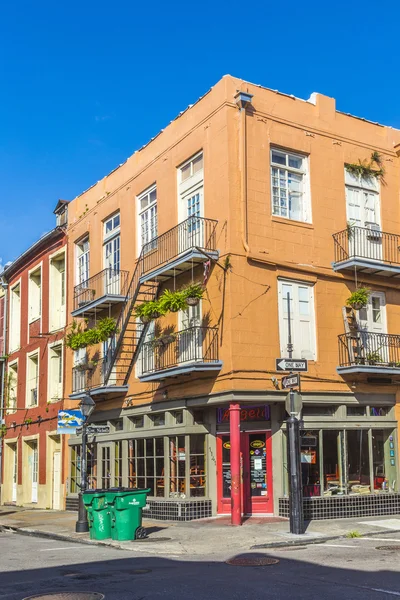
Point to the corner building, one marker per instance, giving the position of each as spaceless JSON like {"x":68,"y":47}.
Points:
{"x":246,"y":192}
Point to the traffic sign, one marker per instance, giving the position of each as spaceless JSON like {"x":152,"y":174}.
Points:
{"x":94,"y":429}
{"x":291,"y":364}
{"x":290,"y":381}
{"x":294,"y":403}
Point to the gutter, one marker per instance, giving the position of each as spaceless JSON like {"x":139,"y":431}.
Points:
{"x":4,"y":285}
{"x":243,"y":100}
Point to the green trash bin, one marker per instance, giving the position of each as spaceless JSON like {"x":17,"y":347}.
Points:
{"x":99,"y":517}
{"x":126,"y":507}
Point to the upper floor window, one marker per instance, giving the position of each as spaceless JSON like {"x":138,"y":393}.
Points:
{"x":148,"y":217}
{"x":35,"y":300}
{"x":289,"y":185}
{"x":191,"y":203}
{"x":112,"y":254}
{"x":362,"y":200}
{"x":82,"y":258}
{"x":302,"y":318}
{"x":57,"y":292}
{"x":55,"y":372}
{"x":11,"y":387}
{"x":15,"y":317}
{"x":32,"y":380}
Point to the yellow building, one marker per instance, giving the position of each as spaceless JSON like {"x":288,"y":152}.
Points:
{"x":257,"y":196}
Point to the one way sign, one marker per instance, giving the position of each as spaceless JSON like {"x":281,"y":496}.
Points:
{"x":291,"y":364}
{"x":290,"y":381}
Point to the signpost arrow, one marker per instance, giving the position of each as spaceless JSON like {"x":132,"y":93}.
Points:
{"x":291,"y":381}
{"x":94,"y":429}
{"x":291,"y":364}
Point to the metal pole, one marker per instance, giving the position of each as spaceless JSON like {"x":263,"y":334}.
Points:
{"x":293,"y":437}
{"x":236,"y":492}
{"x":82,"y":525}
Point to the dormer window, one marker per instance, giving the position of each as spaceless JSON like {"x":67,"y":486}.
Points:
{"x":61,"y":212}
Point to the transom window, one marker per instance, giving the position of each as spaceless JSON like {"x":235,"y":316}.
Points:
{"x":112,"y":225}
{"x":148,"y":217}
{"x":193,"y":166}
{"x":289,"y":186}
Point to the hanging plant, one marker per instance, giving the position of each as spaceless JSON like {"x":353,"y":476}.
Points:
{"x":172,"y":301}
{"x":359,"y":298}
{"x":193,"y":293}
{"x":367,"y":169}
{"x":148,"y":311}
{"x":77,"y":337}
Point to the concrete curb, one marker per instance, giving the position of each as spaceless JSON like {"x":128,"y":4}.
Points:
{"x":270,"y":545}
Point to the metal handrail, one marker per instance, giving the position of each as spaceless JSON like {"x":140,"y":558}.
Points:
{"x":369,"y":348}
{"x":366,"y":243}
{"x":195,"y":344}
{"x":106,"y":282}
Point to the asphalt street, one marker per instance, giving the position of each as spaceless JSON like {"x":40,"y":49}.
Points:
{"x":347,"y":569}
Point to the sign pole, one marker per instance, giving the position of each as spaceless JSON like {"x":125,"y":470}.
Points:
{"x":82,"y":525}
{"x":293,"y":438}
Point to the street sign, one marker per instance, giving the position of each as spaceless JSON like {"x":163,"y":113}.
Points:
{"x":94,"y":429}
{"x":295,"y":409}
{"x":291,"y":364}
{"x":290,"y":381}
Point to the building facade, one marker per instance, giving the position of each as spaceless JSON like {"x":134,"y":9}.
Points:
{"x":266,"y":201}
{"x":35,"y":287}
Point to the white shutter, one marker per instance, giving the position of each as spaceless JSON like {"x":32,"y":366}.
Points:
{"x":354,"y":212}
{"x":302,"y":319}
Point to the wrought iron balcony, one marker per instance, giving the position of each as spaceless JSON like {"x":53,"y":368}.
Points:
{"x":371,"y":353}
{"x":105,"y":288}
{"x":179,"y":248}
{"x":191,"y":350}
{"x":91,"y":376}
{"x":370,"y":250}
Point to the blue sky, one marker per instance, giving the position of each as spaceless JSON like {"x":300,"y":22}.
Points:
{"x":84,"y":84}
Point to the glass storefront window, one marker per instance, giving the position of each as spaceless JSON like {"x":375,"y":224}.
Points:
{"x":358,"y":474}
{"x":106,"y":467}
{"x":332,"y":452}
{"x":197,"y":466}
{"x":76,"y":468}
{"x":310,"y":464}
{"x":146,"y":465}
{"x":177,"y":466}
{"x":118,"y":464}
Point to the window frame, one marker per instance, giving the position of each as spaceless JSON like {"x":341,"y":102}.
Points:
{"x":191,"y":186}
{"x":115,"y":229}
{"x":35,"y":315}
{"x":28,"y":390}
{"x":80,"y":253}
{"x":140,"y":212}
{"x":11,"y":366}
{"x":60,"y":384}
{"x":306,"y":207}
{"x":62,"y":308}
{"x":15,"y":332}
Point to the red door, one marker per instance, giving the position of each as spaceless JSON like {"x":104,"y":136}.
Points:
{"x":256,"y":461}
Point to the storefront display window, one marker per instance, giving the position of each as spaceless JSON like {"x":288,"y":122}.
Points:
{"x":352,"y":462}
{"x":76,"y":468}
{"x":177,"y":466}
{"x":146,"y":465}
{"x":197,"y":466}
{"x":310,"y":464}
{"x":118,"y":464}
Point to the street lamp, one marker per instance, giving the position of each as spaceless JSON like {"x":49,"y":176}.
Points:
{"x":87,"y":406}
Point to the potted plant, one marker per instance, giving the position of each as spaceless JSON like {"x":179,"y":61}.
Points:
{"x":172,"y":301}
{"x":193,"y":293}
{"x":359,"y":298}
{"x":373,"y":358}
{"x":148,"y":311}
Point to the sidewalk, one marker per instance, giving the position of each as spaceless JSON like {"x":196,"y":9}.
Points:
{"x":196,"y":538}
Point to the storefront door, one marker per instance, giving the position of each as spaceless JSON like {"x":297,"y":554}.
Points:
{"x":256,"y":461}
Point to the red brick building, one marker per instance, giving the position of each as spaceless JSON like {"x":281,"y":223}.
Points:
{"x":35,"y":286}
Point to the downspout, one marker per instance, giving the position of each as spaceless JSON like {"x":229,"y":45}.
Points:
{"x":243,"y":100}
{"x":4,"y":285}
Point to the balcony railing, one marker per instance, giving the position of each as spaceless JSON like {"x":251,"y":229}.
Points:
{"x":88,"y":375}
{"x":195,"y":232}
{"x":370,"y":244}
{"x":369,"y":349}
{"x":193,"y":345}
{"x":108,"y":282}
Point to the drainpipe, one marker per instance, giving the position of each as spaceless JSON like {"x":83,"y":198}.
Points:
{"x":243,"y":100}
{"x":4,"y":285}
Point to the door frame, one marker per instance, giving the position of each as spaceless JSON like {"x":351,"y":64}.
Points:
{"x":56,"y":483}
{"x":224,"y":504}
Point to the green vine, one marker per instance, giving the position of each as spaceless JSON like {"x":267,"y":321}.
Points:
{"x":367,"y":169}
{"x":3,"y":430}
{"x":77,"y":337}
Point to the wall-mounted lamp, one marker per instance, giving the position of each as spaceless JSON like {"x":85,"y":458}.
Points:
{"x":165,"y":394}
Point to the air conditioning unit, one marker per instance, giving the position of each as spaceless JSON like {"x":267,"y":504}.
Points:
{"x":374,"y":231}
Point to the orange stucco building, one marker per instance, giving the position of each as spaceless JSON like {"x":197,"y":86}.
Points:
{"x":246,"y":192}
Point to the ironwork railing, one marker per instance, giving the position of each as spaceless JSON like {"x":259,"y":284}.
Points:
{"x":86,"y":376}
{"x":372,"y":244}
{"x":366,"y":348}
{"x":107,"y":282}
{"x":191,"y":233}
{"x":196,"y":344}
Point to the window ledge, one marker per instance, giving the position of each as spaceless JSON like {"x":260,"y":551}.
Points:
{"x":284,"y":220}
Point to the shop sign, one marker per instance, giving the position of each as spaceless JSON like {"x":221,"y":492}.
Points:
{"x":247,"y":413}
{"x":68,"y":421}
{"x":227,"y":445}
{"x":257,"y":444}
